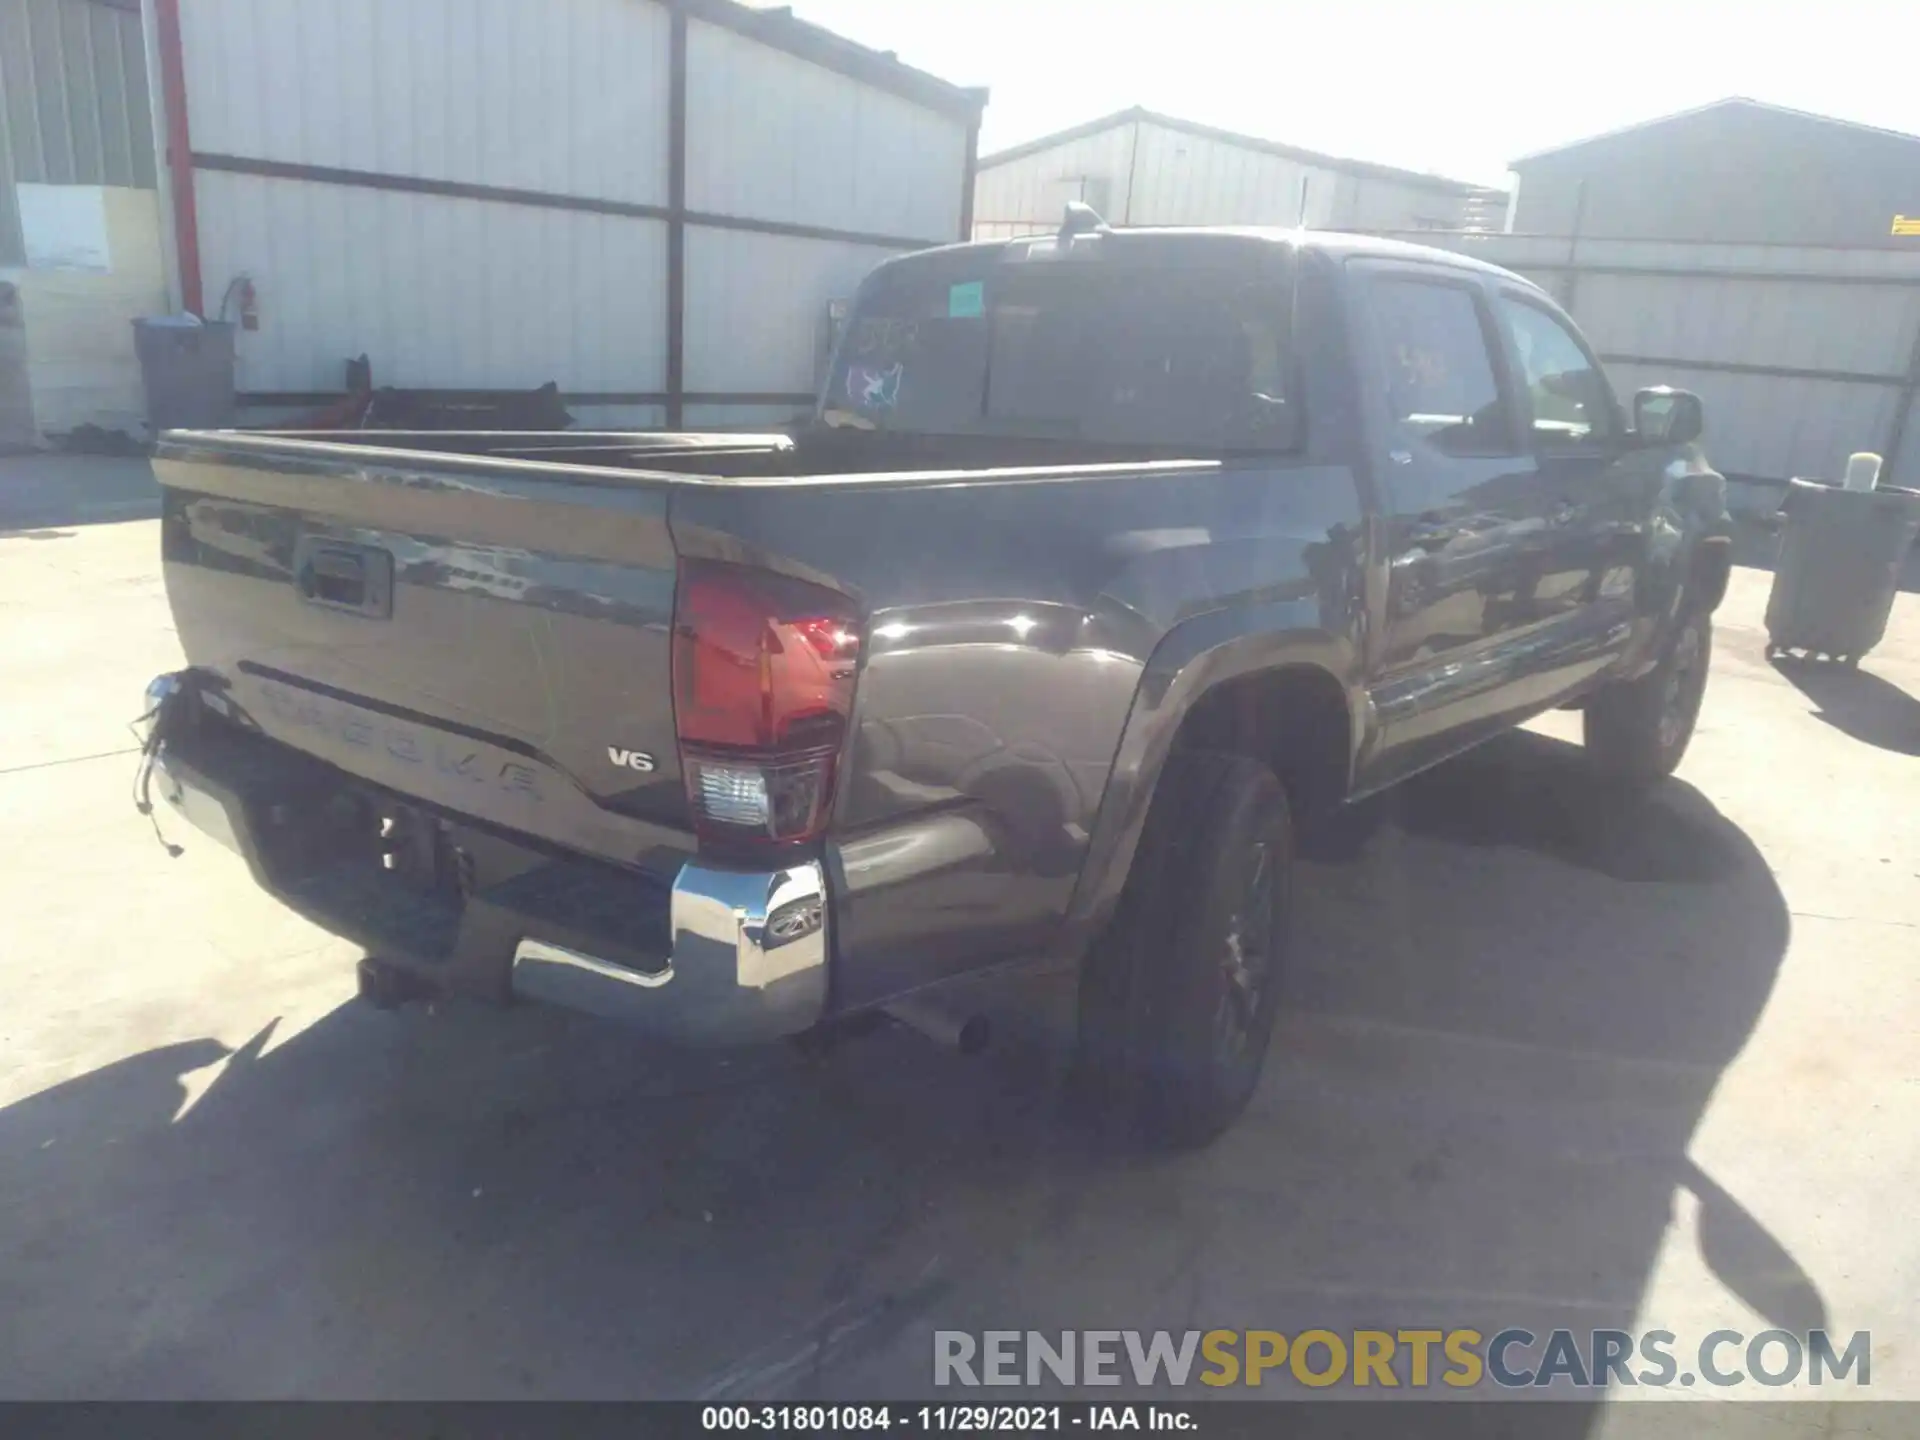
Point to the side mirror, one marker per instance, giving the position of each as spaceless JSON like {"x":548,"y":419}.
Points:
{"x":1663,"y":415}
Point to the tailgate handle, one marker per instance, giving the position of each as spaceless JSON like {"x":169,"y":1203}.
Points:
{"x":357,"y":578}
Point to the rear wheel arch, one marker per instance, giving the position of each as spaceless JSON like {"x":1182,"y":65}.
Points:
{"x":1293,"y":718}
{"x":1222,"y":695}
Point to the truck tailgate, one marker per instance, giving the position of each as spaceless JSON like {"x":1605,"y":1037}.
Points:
{"x":491,"y":636}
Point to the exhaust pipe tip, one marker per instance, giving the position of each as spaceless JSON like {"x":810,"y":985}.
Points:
{"x":964,"y":1031}
{"x":976,"y":1033}
{"x":387,"y":987}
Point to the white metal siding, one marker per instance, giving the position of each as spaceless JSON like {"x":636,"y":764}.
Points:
{"x":773,"y":137}
{"x":568,"y":97}
{"x":1862,"y":329}
{"x":1186,"y":179}
{"x":617,"y":417}
{"x":1378,"y":203}
{"x":1030,"y":193}
{"x":1171,"y":176}
{"x":756,"y":307}
{"x":438,"y":292}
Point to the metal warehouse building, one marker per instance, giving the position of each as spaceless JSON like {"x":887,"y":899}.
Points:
{"x":1758,"y":255}
{"x":649,"y":202}
{"x":1139,"y":168}
{"x":1737,"y":171}
{"x":80,"y":228}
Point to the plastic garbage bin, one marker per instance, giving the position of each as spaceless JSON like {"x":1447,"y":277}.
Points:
{"x":1840,"y":560}
{"x":186,"y":365}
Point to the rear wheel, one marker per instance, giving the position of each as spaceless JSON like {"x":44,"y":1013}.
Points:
{"x":1177,"y":1000}
{"x":1637,"y":730}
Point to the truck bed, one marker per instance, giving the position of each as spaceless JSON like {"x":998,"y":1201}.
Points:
{"x":516,"y":597}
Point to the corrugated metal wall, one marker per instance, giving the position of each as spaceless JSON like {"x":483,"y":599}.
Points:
{"x":1143,"y":173}
{"x":566,"y":98}
{"x":440,"y":290}
{"x":1803,"y":355}
{"x":773,"y":137}
{"x":756,"y":307}
{"x":1027,"y":195}
{"x":1735,"y":172}
{"x":480,"y":195}
{"x":1193,"y":180}
{"x":73,"y":102}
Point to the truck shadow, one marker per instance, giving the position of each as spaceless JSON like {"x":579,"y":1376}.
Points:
{"x":1478,"y":1113}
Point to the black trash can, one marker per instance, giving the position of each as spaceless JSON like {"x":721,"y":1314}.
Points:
{"x":1839,"y":568}
{"x":187,"y":368}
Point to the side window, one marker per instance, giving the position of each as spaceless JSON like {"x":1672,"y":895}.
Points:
{"x":1571,"y":402}
{"x":1439,"y":373}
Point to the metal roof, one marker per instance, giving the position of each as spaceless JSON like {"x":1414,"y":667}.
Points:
{"x":1739,"y":100}
{"x":1246,"y":142}
{"x":780,"y":28}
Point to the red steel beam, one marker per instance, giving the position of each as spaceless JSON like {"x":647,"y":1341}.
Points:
{"x":173,"y":95}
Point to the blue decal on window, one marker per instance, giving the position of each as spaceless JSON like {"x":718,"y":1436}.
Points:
{"x":967,"y":301}
{"x":873,"y":389}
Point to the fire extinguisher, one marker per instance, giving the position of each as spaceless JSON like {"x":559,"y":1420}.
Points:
{"x":240,"y":289}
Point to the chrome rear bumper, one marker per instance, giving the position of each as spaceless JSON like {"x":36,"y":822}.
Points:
{"x":742,"y":957}
{"x":748,"y":960}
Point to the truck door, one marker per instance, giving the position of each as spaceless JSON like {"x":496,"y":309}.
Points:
{"x":1596,"y":490}
{"x":1461,"y":530}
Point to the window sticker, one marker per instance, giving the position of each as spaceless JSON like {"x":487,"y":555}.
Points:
{"x":967,"y":301}
{"x":874,"y":389}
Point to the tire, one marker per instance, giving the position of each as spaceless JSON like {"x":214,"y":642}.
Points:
{"x":1177,"y":999}
{"x":1637,"y":730}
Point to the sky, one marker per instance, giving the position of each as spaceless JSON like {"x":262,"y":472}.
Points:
{"x":1459,"y":88}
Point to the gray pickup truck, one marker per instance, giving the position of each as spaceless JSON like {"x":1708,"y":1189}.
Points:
{"x":1111,"y":564}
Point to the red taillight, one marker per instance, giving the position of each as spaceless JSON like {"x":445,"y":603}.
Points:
{"x":763,"y":674}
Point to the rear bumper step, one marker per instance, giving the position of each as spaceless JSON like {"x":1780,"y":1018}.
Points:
{"x":722,"y":956}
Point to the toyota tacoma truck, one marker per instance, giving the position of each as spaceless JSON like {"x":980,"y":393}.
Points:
{"x":1110,"y":564}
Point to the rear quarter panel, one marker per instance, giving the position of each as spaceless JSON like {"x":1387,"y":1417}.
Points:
{"x":1012,"y":619}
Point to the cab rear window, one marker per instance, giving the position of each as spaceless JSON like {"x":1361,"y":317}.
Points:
{"x":1190,"y":356}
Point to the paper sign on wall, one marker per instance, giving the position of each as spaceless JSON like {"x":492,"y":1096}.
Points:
{"x":65,"y":227}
